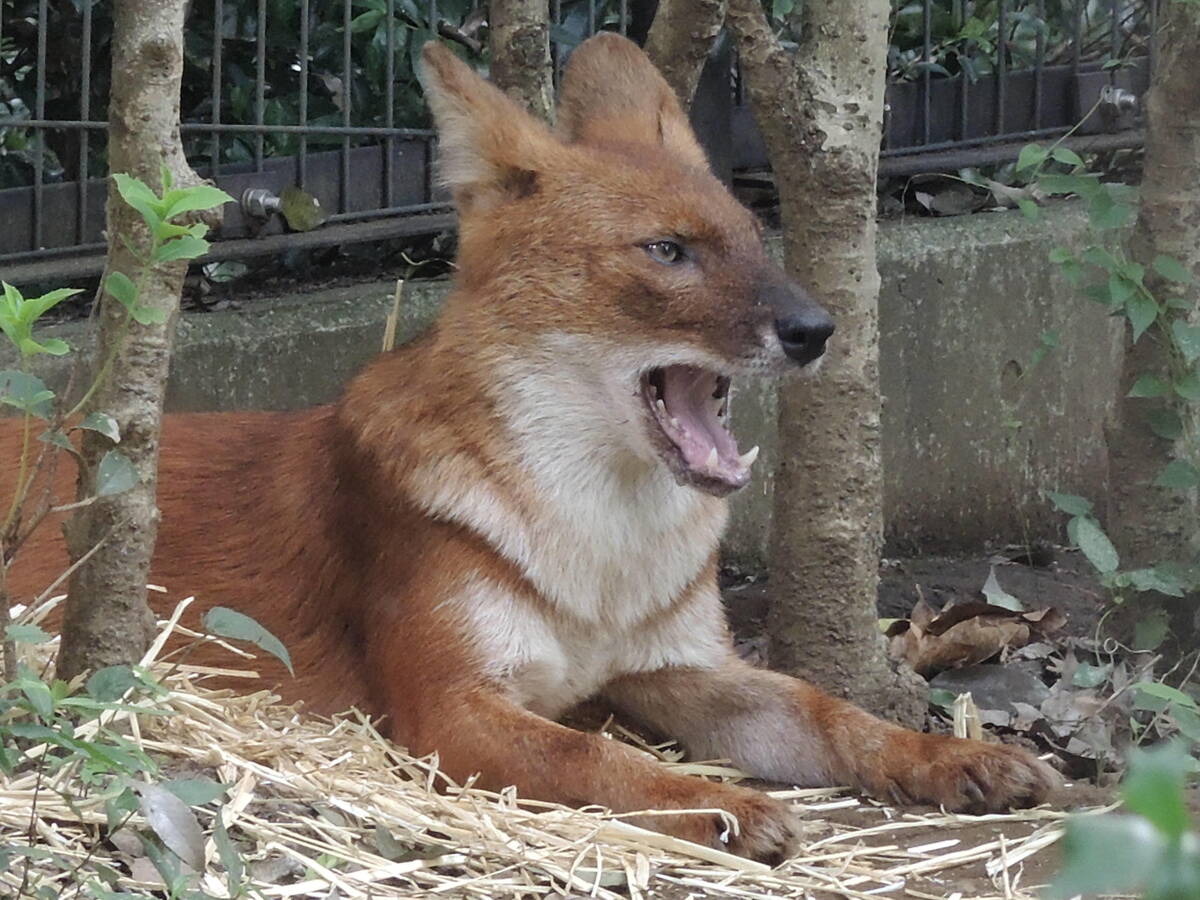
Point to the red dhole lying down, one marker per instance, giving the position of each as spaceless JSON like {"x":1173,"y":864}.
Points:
{"x":521,"y":509}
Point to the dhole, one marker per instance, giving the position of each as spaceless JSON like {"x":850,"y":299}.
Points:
{"x":521,"y":509}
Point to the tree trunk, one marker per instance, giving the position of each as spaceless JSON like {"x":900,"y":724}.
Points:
{"x":107,"y":620}
{"x":820,"y":113}
{"x":1151,"y":524}
{"x":519,"y":37}
{"x":680,"y":39}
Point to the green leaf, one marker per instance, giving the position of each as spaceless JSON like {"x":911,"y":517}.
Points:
{"x":225,"y":622}
{"x":26,"y":392}
{"x":39,"y":697}
{"x":184,"y":247}
{"x":1105,"y":212}
{"x":196,"y":791}
{"x":1151,"y":630}
{"x":198,"y":197}
{"x":1154,"y":787}
{"x":1094,"y":544}
{"x":231,"y":859}
{"x":1166,"y":692}
{"x":1088,"y":676}
{"x":1106,"y":854}
{"x":1071,"y":504}
{"x":1142,"y":311}
{"x":148,"y":315}
{"x":1084,"y":185}
{"x":140,"y":197}
{"x":25,"y":634}
{"x":1187,"y":339}
{"x":1188,"y":387}
{"x":1178,"y":475}
{"x":110,"y":683}
{"x":115,"y":474}
{"x":1148,"y":386}
{"x":55,"y":346}
{"x":121,"y":289}
{"x":1031,"y":156}
{"x":996,"y":595}
{"x":1188,"y":722}
{"x":1060,"y":255}
{"x":1165,"y":423}
{"x":1120,"y":288}
{"x":1066,"y":156}
{"x":1155,"y":579}
{"x":58,"y":439}
{"x":173,"y":822}
{"x":1029,"y":209}
{"x":1098,"y":256}
{"x":103,"y":423}
{"x":1172,"y":269}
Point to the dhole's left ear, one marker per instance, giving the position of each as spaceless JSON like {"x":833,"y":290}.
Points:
{"x":611,"y":91}
{"x":488,"y":147}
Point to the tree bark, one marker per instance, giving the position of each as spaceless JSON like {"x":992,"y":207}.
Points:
{"x":820,"y":112}
{"x":1151,"y":524}
{"x":680,"y":39}
{"x":519,"y":38}
{"x":107,"y":620}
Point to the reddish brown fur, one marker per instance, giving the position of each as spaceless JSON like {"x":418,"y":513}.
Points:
{"x":328,"y":526}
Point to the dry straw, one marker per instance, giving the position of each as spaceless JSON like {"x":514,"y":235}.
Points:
{"x":328,"y":808}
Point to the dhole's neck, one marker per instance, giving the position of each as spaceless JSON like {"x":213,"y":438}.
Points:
{"x":538,"y":447}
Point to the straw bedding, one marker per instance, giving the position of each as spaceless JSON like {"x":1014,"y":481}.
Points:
{"x":323,"y":808}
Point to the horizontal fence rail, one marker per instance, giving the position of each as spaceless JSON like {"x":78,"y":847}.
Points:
{"x":321,"y":95}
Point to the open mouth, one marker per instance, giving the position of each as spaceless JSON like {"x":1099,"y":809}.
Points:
{"x":690,"y":407}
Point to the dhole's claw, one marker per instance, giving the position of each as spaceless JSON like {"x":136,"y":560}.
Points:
{"x":768,"y":830}
{"x":967,"y":776}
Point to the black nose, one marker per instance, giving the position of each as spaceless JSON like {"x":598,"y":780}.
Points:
{"x":804,"y":333}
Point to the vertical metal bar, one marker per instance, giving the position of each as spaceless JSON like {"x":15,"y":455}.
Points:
{"x":218,"y":34}
{"x":260,"y":82}
{"x":39,"y":103}
{"x":303,"y":157}
{"x":591,"y":17}
{"x":1114,"y":31}
{"x":623,"y":25}
{"x":964,"y":78}
{"x":1153,"y":4}
{"x":433,"y":19}
{"x":347,"y":75}
{"x":1039,"y":65}
{"x":926,"y":76}
{"x":556,"y":18}
{"x":1078,"y":38}
{"x":389,"y":115}
{"x":85,"y":113}
{"x":1001,"y":63}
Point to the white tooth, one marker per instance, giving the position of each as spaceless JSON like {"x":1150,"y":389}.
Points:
{"x":662,"y":407}
{"x":711,"y":462}
{"x":675,"y":424}
{"x":746,"y":460}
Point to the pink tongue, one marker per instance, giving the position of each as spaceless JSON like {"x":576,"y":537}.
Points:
{"x":687,"y":394}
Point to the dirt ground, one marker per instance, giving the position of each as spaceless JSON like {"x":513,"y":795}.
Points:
{"x":1052,"y":578}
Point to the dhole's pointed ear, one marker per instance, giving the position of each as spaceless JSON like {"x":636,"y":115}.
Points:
{"x":488,"y":147}
{"x":611,"y":91}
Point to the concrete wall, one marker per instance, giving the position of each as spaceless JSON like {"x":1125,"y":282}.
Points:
{"x":972,"y":436}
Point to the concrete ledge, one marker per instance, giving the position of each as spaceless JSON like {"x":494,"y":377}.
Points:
{"x":972,"y":435}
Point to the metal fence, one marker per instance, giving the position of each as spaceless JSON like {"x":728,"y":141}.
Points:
{"x":321,"y":94}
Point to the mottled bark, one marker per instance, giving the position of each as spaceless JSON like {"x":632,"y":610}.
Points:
{"x":680,"y":39}
{"x":107,"y":620}
{"x":519,"y":38}
{"x":820,"y":111}
{"x":1150,"y":524}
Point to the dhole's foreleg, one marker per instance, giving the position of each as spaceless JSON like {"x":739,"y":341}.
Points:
{"x":783,"y":729}
{"x":483,"y":732}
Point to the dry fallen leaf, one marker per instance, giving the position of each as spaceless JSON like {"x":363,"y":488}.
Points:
{"x":965,"y":634}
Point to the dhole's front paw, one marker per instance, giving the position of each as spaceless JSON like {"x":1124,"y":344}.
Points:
{"x":768,"y":830}
{"x":961,"y":775}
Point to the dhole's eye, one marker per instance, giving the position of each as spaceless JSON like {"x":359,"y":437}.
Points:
{"x":667,"y":252}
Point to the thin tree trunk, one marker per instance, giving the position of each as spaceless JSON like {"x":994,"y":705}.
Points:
{"x":1152,"y":524}
{"x":107,"y":620}
{"x":820,"y":112}
{"x":680,"y":39}
{"x":519,"y":37}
